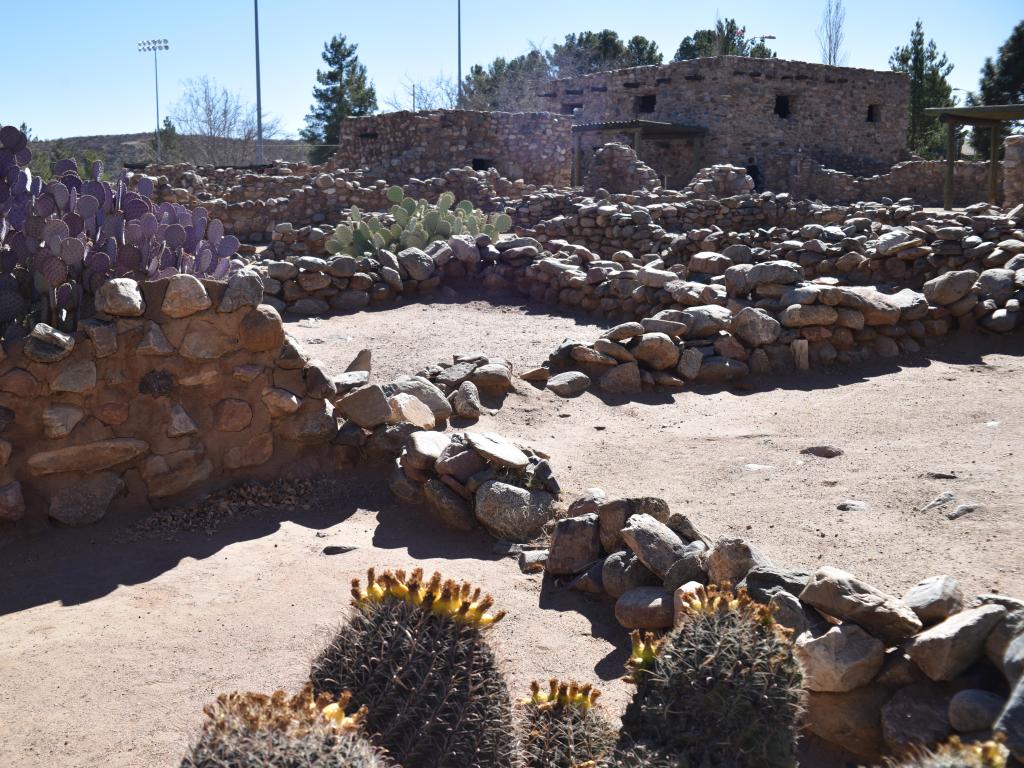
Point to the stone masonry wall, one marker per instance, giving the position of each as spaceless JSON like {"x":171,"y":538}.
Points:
{"x":174,"y":387}
{"x":1013,"y":168}
{"x":536,"y":147}
{"x":735,"y":99}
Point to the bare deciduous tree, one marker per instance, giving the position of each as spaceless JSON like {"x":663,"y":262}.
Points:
{"x":440,"y":93}
{"x":831,"y":33}
{"x":216,"y":127}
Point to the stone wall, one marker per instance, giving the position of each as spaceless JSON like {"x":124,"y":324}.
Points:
{"x":168,"y":391}
{"x":1013,"y":168}
{"x":920,"y":180}
{"x":615,"y":169}
{"x":535,"y":147}
{"x":736,"y":99}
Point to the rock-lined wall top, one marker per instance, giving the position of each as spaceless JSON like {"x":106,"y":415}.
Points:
{"x":535,"y":146}
{"x":853,"y":119}
{"x":616,"y":169}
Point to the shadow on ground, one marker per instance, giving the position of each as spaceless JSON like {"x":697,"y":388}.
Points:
{"x":76,"y":565}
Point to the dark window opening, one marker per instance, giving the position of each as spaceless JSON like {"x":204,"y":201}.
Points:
{"x":694,"y":77}
{"x":874,"y":113}
{"x":645,"y":104}
{"x":598,"y":88}
{"x":570,"y":109}
{"x":573,"y":91}
{"x":782,"y":108}
{"x":368,"y":135}
{"x":482,"y":164}
{"x":552,"y":95}
{"x":663,"y":81}
{"x":631,"y":85}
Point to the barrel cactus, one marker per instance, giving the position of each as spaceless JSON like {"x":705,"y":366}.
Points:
{"x":253,"y":730}
{"x":414,"y":653}
{"x":723,"y":689}
{"x":956,"y":754}
{"x":561,"y":728}
{"x":417,"y":223}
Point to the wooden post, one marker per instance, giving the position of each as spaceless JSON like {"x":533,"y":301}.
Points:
{"x":947,"y":187}
{"x":636,"y":141}
{"x":993,"y":164}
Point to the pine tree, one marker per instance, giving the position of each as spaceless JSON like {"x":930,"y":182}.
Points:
{"x":726,"y":39}
{"x":1002,"y":82}
{"x":928,"y":70}
{"x":342,"y":91}
{"x":590,"y":52}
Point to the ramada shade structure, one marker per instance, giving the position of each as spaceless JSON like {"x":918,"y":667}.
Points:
{"x":992,"y":117}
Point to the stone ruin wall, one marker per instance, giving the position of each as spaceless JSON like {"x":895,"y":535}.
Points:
{"x":170,"y":391}
{"x":535,"y":146}
{"x":1013,"y":171}
{"x":734,"y":98}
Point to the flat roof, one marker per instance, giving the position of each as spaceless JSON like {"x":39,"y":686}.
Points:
{"x":990,"y":112}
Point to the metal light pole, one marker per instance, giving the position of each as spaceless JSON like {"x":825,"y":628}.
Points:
{"x":259,"y":101}
{"x":145,"y":46}
{"x":460,"y":49}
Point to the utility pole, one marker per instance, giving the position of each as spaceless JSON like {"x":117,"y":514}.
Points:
{"x":259,"y":100}
{"x":145,"y":46}
{"x":459,"y":33}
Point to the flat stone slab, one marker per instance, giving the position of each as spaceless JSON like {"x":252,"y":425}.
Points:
{"x":951,"y":646}
{"x":841,"y":594}
{"x":497,"y":449}
{"x":89,"y":457}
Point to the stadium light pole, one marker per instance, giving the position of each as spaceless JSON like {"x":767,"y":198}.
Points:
{"x":259,"y":101}
{"x":459,"y":35}
{"x":145,"y":46}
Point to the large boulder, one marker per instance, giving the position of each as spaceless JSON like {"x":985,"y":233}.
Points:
{"x":655,"y":544}
{"x":951,"y":646}
{"x":755,"y":327}
{"x":950,"y":287}
{"x":843,"y":658}
{"x":575,"y":545}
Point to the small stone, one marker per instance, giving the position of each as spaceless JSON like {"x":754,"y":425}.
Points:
{"x":466,"y":401}
{"x":935,"y":598}
{"x":20,"y":383}
{"x":569,"y":384}
{"x":622,"y":571}
{"x":843,"y":658}
{"x":682,"y":597}
{"x":851,"y":720}
{"x":731,"y":559}
{"x":87,"y":501}
{"x":497,"y":450}
{"x":622,"y":379}
{"x":120,"y":297}
{"x":950,"y":647}
{"x":692,"y":566}
{"x":1011,"y":722}
{"x":536,"y":374}
{"x":656,"y":351}
{"x":181,"y":423}
{"x":12,"y":502}
{"x":245,"y":289}
{"x":338,"y":549}
{"x":852,"y":505}
{"x":916,"y":716}
{"x":623,"y":332}
{"x":424,"y":448}
{"x":174,"y":473}
{"x":763,"y":581}
{"x":451,"y":508}
{"x":5,"y":452}
{"x":406,"y":408}
{"x":961,"y":510}
{"x":232,"y":415}
{"x":185,"y":296}
{"x":756,"y":327}
{"x":258,"y":450}
{"x":575,"y":545}
{"x":261,"y":329}
{"x":368,"y":407}
{"x":613,"y":515}
{"x":154,"y":343}
{"x":838,"y":593}
{"x":59,"y":420}
{"x":103,"y":336}
{"x":589,"y":582}
{"x":492,"y":377}
{"x":422,"y":390}
{"x":654,"y":543}
{"x":280,"y":401}
{"x":974,"y":710}
{"x":513,"y":513}
{"x":823,"y":451}
{"x":533,"y":560}
{"x":645,"y":608}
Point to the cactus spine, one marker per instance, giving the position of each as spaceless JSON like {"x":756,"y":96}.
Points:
{"x":561,"y":728}
{"x":414,"y":653}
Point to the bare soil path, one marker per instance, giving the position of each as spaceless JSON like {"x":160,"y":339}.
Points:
{"x":109,"y":649}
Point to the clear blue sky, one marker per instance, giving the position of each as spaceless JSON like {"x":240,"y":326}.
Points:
{"x":73,"y":68}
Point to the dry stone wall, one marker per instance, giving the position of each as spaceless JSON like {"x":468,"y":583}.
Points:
{"x":535,"y":146}
{"x":1013,"y":169}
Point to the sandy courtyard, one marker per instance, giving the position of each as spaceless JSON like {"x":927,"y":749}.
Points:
{"x":108,"y":649}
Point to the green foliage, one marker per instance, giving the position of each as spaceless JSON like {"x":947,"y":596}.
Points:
{"x":927,"y":70}
{"x":414,"y":653}
{"x":417,"y":224}
{"x":561,"y":728}
{"x":727,"y":38}
{"x":1002,"y":82}
{"x":724,"y":689}
{"x":170,"y":150}
{"x":249,"y":730}
{"x":588,"y":52}
{"x":343,"y":91}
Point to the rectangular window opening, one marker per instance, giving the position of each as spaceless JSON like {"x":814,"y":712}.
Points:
{"x":368,"y":135}
{"x":645,"y":104}
{"x":782,"y":107}
{"x":482,"y":164}
{"x":570,"y":109}
{"x":874,"y":113}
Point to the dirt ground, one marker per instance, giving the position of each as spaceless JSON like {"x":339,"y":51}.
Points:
{"x":108,"y":650}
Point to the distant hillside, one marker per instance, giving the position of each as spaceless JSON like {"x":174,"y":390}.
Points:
{"x":118,"y":149}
